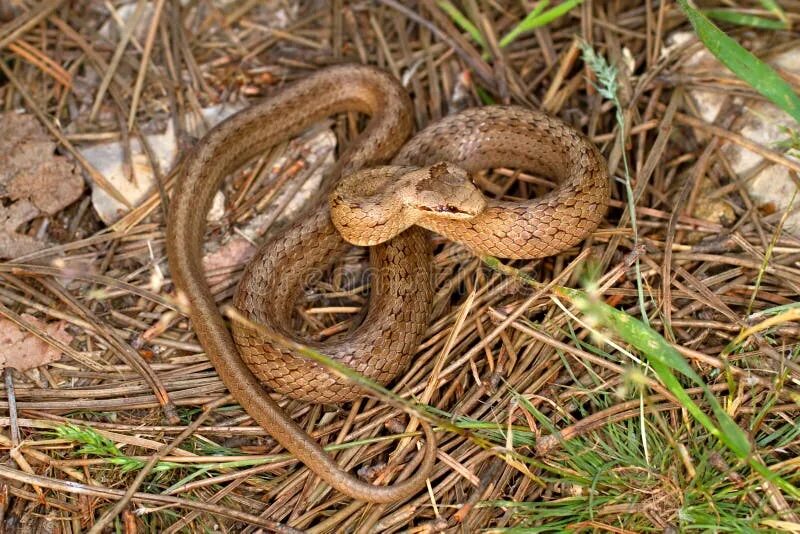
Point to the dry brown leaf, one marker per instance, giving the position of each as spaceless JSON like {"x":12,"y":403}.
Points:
{"x":22,"y":350}
{"x":13,"y":244}
{"x":31,"y":174}
{"x":237,"y":251}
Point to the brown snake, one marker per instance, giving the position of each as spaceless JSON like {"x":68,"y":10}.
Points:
{"x":401,"y":285}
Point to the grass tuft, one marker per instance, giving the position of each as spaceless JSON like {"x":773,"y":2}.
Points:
{"x":665,"y":361}
{"x":95,"y":444}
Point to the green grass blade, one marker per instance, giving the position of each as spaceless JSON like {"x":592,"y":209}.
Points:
{"x":462,"y":21}
{"x":773,"y":7}
{"x":745,"y":19}
{"x":483,"y":94}
{"x":745,"y":65}
{"x":775,"y":310}
{"x":514,"y":32}
{"x":536,"y":18}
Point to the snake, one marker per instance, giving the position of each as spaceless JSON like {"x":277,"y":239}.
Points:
{"x":385,"y":191}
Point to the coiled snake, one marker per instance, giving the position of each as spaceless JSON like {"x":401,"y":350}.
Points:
{"x":430,"y":188}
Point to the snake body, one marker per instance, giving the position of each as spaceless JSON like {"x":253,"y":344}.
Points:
{"x":401,"y":287}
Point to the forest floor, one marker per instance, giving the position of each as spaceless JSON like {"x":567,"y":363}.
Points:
{"x":660,"y":397}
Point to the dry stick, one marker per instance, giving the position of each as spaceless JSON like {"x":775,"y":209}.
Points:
{"x":114,"y":63}
{"x":180,"y":398}
{"x":337,"y":24}
{"x":155,"y":167}
{"x":488,"y":478}
{"x":387,"y":52}
{"x":147,"y":148}
{"x":22,"y":494}
{"x":456,"y":41}
{"x":568,"y":59}
{"x":45,"y":270}
{"x":12,"y":407}
{"x":37,"y":58}
{"x":23,"y":464}
{"x":20,"y":25}
{"x":93,"y":173}
{"x":764,"y":152}
{"x":46,"y":460}
{"x":495,"y":333}
{"x":127,"y":166}
{"x":97,"y":528}
{"x":658,"y":148}
{"x":302,"y":521}
{"x":666,"y":278}
{"x":185,"y":520}
{"x":336,"y":519}
{"x":182,"y":460}
{"x":175,"y":64}
{"x":450,"y":341}
{"x":648,"y":32}
{"x":121,"y":347}
{"x":148,"y":48}
{"x":101,"y":66}
{"x":108,"y":493}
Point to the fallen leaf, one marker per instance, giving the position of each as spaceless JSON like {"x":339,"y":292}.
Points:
{"x":22,"y":350}
{"x":237,"y":251}
{"x":13,"y":244}
{"x":40,"y":182}
{"x":109,"y":158}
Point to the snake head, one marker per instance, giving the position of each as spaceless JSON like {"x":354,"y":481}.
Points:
{"x":443,"y":191}
{"x":373,"y":205}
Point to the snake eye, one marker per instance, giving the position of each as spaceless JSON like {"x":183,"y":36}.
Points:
{"x":453,"y":209}
{"x":448,"y":211}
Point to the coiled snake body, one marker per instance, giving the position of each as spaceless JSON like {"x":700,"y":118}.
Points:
{"x":439,"y":197}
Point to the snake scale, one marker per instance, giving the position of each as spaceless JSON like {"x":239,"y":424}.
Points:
{"x":432,"y":170}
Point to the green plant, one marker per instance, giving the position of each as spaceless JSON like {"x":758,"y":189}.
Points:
{"x":536,"y":18}
{"x":744,"y":64}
